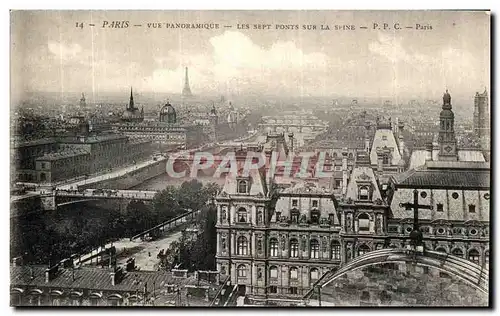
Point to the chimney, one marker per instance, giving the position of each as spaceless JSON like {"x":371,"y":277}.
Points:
{"x":51,"y":272}
{"x":344,"y":171}
{"x":380,"y":162}
{"x":116,"y":275}
{"x":290,"y":141}
{"x":428,"y":156}
{"x":17,"y":261}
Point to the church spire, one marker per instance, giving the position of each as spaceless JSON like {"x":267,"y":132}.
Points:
{"x":131,"y":102}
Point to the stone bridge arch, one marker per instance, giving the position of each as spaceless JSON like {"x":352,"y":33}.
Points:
{"x":472,"y":274}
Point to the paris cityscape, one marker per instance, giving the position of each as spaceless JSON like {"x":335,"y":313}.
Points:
{"x":250,"y":166}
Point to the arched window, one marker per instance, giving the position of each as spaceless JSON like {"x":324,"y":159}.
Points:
{"x":242,"y":186}
{"x":242,"y":271}
{"x":314,"y":252}
{"x":364,"y":193}
{"x":335,"y":250}
{"x":294,"y":248}
{"x":273,"y":247}
{"x":362,"y":249}
{"x":273,"y":272}
{"x":364,"y":222}
{"x":313,"y":275}
{"x":334,"y":155}
{"x":242,"y":246}
{"x":441,"y":249}
{"x":294,"y":215}
{"x":294,"y":273}
{"x":242,"y":215}
{"x":350,"y":156}
{"x":474,"y":256}
{"x":315,"y":215}
{"x":458,"y":252}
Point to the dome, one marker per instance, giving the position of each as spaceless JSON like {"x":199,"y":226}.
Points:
{"x":168,"y":114}
{"x":167,"y":109}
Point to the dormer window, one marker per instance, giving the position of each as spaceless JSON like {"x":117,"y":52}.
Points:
{"x":242,"y":215}
{"x":242,"y":186}
{"x":385,"y":159}
{"x":294,"y":214}
{"x":315,"y":214}
{"x":364,"y":222}
{"x":384,"y":137}
{"x":364,"y":193}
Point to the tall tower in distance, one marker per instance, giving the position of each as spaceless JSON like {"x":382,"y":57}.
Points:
{"x":446,"y":139}
{"x":186,"y":91}
{"x":482,"y":119}
{"x":83,"y":103}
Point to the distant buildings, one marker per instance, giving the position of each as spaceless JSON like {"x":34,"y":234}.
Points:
{"x":87,"y":154}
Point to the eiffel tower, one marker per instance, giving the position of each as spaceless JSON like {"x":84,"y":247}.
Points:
{"x":186,"y":91}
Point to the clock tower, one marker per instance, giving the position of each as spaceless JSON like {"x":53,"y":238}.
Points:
{"x":447,"y":140}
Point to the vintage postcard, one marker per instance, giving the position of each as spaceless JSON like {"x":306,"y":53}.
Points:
{"x":250,"y":158}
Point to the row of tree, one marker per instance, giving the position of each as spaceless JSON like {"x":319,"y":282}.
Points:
{"x":194,"y":251}
{"x":44,"y":238}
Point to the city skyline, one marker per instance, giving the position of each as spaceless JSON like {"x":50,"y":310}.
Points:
{"x":406,"y":63}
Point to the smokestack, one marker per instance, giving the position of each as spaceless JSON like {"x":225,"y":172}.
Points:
{"x":113,"y":278}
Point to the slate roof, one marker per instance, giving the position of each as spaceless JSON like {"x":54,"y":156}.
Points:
{"x":446,"y":175}
{"x":98,"y":279}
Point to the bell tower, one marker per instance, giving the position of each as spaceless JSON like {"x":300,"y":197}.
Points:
{"x":446,"y":139}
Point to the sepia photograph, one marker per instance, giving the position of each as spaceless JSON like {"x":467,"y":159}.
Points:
{"x":252,"y":158}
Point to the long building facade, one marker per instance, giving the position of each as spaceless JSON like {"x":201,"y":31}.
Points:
{"x":275,"y":240}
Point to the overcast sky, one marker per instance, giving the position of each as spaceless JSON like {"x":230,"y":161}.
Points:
{"x":49,"y":53}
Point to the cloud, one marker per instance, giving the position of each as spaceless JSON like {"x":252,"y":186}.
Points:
{"x":236,"y":64}
{"x":65,"y":52}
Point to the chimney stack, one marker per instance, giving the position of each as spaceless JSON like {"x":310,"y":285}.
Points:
{"x":380,"y":161}
{"x":344,"y":171}
{"x":429,"y":148}
{"x":17,"y":261}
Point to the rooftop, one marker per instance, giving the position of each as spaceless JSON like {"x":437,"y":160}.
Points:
{"x":442,"y":174}
{"x":93,"y":139}
{"x":63,"y":154}
{"x":94,"y":278}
